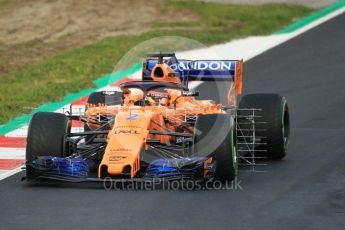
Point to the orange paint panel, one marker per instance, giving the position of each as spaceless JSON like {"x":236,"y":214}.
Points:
{"x":125,"y":142}
{"x":77,"y":124}
{"x":238,"y":77}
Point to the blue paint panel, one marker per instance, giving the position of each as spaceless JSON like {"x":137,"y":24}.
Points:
{"x":58,"y":166}
{"x":201,"y":70}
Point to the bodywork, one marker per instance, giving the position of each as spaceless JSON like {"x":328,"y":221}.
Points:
{"x":150,"y":133}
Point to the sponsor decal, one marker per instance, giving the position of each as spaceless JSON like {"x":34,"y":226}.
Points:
{"x":158,"y":95}
{"x":127,"y":126}
{"x":190,"y":93}
{"x":117,"y":158}
{"x":120,"y":150}
{"x":132,"y":117}
{"x":108,"y":93}
{"x":203,"y":65}
{"x":126,"y":131}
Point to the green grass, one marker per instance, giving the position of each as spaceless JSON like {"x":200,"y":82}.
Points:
{"x":4,"y":2}
{"x":174,"y":25}
{"x":74,"y":70}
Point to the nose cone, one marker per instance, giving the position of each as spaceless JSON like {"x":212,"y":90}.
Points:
{"x":125,"y":142}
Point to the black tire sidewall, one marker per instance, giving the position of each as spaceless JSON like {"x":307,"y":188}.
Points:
{"x":269,"y":123}
{"x":46,"y":134}
{"x":215,"y":136}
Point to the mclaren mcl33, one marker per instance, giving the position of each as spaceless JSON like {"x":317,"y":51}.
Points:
{"x":159,"y":127}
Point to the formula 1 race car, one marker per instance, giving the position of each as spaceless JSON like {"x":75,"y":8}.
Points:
{"x":156,"y":128}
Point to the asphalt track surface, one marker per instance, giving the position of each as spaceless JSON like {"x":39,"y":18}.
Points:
{"x":304,"y":191}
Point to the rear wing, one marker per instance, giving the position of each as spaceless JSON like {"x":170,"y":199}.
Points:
{"x":202,"y":70}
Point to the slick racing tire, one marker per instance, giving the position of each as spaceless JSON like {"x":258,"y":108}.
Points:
{"x":46,"y":135}
{"x":215,"y":136}
{"x":272,"y":123}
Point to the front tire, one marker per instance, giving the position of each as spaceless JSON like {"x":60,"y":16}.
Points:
{"x":215,"y":136}
{"x":46,"y":136}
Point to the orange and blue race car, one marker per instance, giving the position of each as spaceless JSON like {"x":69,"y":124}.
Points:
{"x":158,"y":128}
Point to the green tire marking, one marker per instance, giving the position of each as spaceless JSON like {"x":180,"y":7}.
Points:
{"x":283,"y":127}
{"x":233,"y":150}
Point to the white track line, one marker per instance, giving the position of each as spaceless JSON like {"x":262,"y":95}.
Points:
{"x":7,"y":173}
{"x":21,"y":132}
{"x":250,"y":47}
{"x":12,"y":153}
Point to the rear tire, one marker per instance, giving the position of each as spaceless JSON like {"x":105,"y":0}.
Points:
{"x":276,"y":129}
{"x":215,"y":136}
{"x":46,"y":136}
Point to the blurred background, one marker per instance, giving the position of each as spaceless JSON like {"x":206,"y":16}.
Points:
{"x":52,"y":47}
